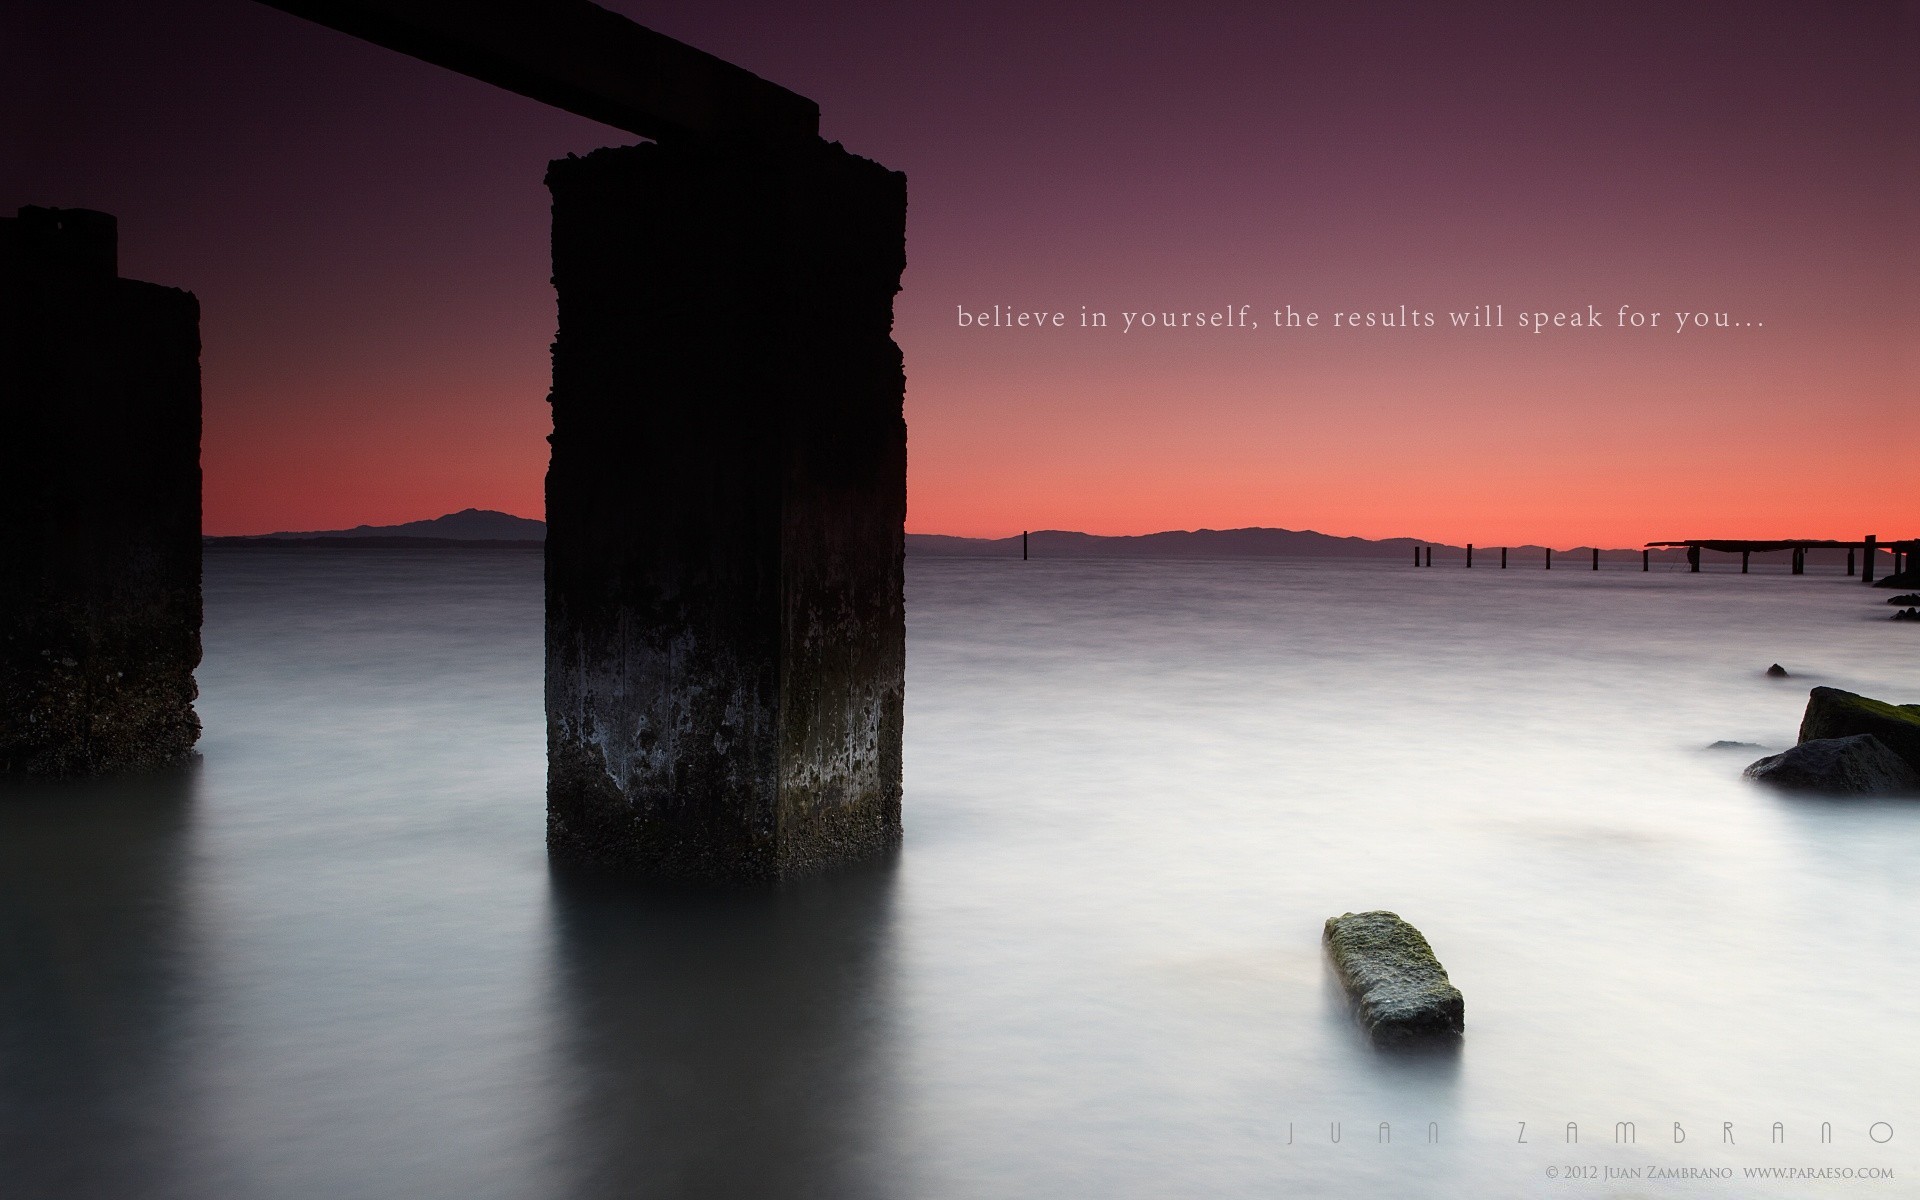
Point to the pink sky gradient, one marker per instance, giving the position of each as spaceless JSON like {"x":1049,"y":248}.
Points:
{"x":367,"y":236}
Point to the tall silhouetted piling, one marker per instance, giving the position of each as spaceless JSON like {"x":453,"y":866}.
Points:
{"x":1746,"y":556}
{"x":1596,"y":558}
{"x":1646,"y":560}
{"x":1023,"y":545}
{"x":1799,"y":560}
{"x":1503,"y":558}
{"x":1693,"y":559}
{"x":1549,"y":558}
{"x":726,"y":502}
{"x":100,"y":486}
{"x":1429,"y":555}
{"x":1469,"y":556}
{"x":1867,"y":551}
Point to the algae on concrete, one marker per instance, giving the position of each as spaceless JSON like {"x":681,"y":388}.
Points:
{"x":1398,"y":988}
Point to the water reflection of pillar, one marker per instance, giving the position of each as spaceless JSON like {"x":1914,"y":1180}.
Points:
{"x":93,"y":945}
{"x":727,"y":1045}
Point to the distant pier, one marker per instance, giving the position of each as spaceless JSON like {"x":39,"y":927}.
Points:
{"x":1861,"y":555}
{"x":1902,"y":551}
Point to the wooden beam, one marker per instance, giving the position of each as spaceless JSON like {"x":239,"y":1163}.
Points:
{"x":579,"y":57}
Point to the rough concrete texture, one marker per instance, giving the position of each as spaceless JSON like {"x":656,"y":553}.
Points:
{"x":1398,"y":988}
{"x":1832,"y":713}
{"x":100,"y":486}
{"x":726,"y":503}
{"x":1856,"y":765}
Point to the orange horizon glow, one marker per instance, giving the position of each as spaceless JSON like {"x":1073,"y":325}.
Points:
{"x":367,"y":238}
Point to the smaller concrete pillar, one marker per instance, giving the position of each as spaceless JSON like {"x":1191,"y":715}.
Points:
{"x":1799,"y":560}
{"x":1503,"y":558}
{"x":1469,"y":556}
{"x":1596,"y":558}
{"x":1746,"y":557}
{"x":1693,"y":559}
{"x":1646,"y":560}
{"x":99,"y":504}
{"x":1866,"y":558}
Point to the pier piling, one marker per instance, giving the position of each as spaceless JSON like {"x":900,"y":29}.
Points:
{"x":1867,"y":552}
{"x":100,"y":482}
{"x":726,"y":635}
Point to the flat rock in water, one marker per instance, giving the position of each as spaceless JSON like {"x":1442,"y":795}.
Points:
{"x":1723,"y":744}
{"x":1399,"y":989}
{"x":1832,"y":713}
{"x":1848,"y":766}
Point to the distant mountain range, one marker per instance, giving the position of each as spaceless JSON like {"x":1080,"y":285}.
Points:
{"x":470,"y":527}
{"x":482,"y":528}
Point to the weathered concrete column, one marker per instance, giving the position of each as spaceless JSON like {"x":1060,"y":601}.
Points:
{"x":726,"y":503}
{"x":1866,"y":558}
{"x":100,"y":490}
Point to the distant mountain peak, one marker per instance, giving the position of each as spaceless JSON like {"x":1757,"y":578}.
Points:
{"x":469,"y":524}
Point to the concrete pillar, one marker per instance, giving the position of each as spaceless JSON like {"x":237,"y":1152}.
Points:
{"x":1596,"y":558}
{"x":1646,"y":560}
{"x":1693,"y":559}
{"x":726,"y":504}
{"x":1469,"y":556}
{"x":1503,"y":558}
{"x":100,"y":491}
{"x":1799,"y":560}
{"x":1745,"y":557}
{"x":1866,"y":558}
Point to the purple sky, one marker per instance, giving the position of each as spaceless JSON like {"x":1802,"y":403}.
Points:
{"x":367,"y":235}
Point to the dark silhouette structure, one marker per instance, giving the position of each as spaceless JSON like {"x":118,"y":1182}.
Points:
{"x":1747,"y":547}
{"x":726,"y":501}
{"x":100,"y":484}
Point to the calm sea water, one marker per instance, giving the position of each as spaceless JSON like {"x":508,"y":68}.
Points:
{"x":331,"y":962}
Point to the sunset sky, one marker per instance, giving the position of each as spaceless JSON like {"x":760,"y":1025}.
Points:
{"x":367,"y":237}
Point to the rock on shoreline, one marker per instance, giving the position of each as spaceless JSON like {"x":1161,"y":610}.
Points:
{"x":1856,"y":765}
{"x":1832,"y":713}
{"x":1399,"y":989}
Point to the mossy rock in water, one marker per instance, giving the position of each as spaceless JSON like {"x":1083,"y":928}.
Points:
{"x":1832,"y":713}
{"x":1858,"y":765}
{"x":1399,"y":990}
